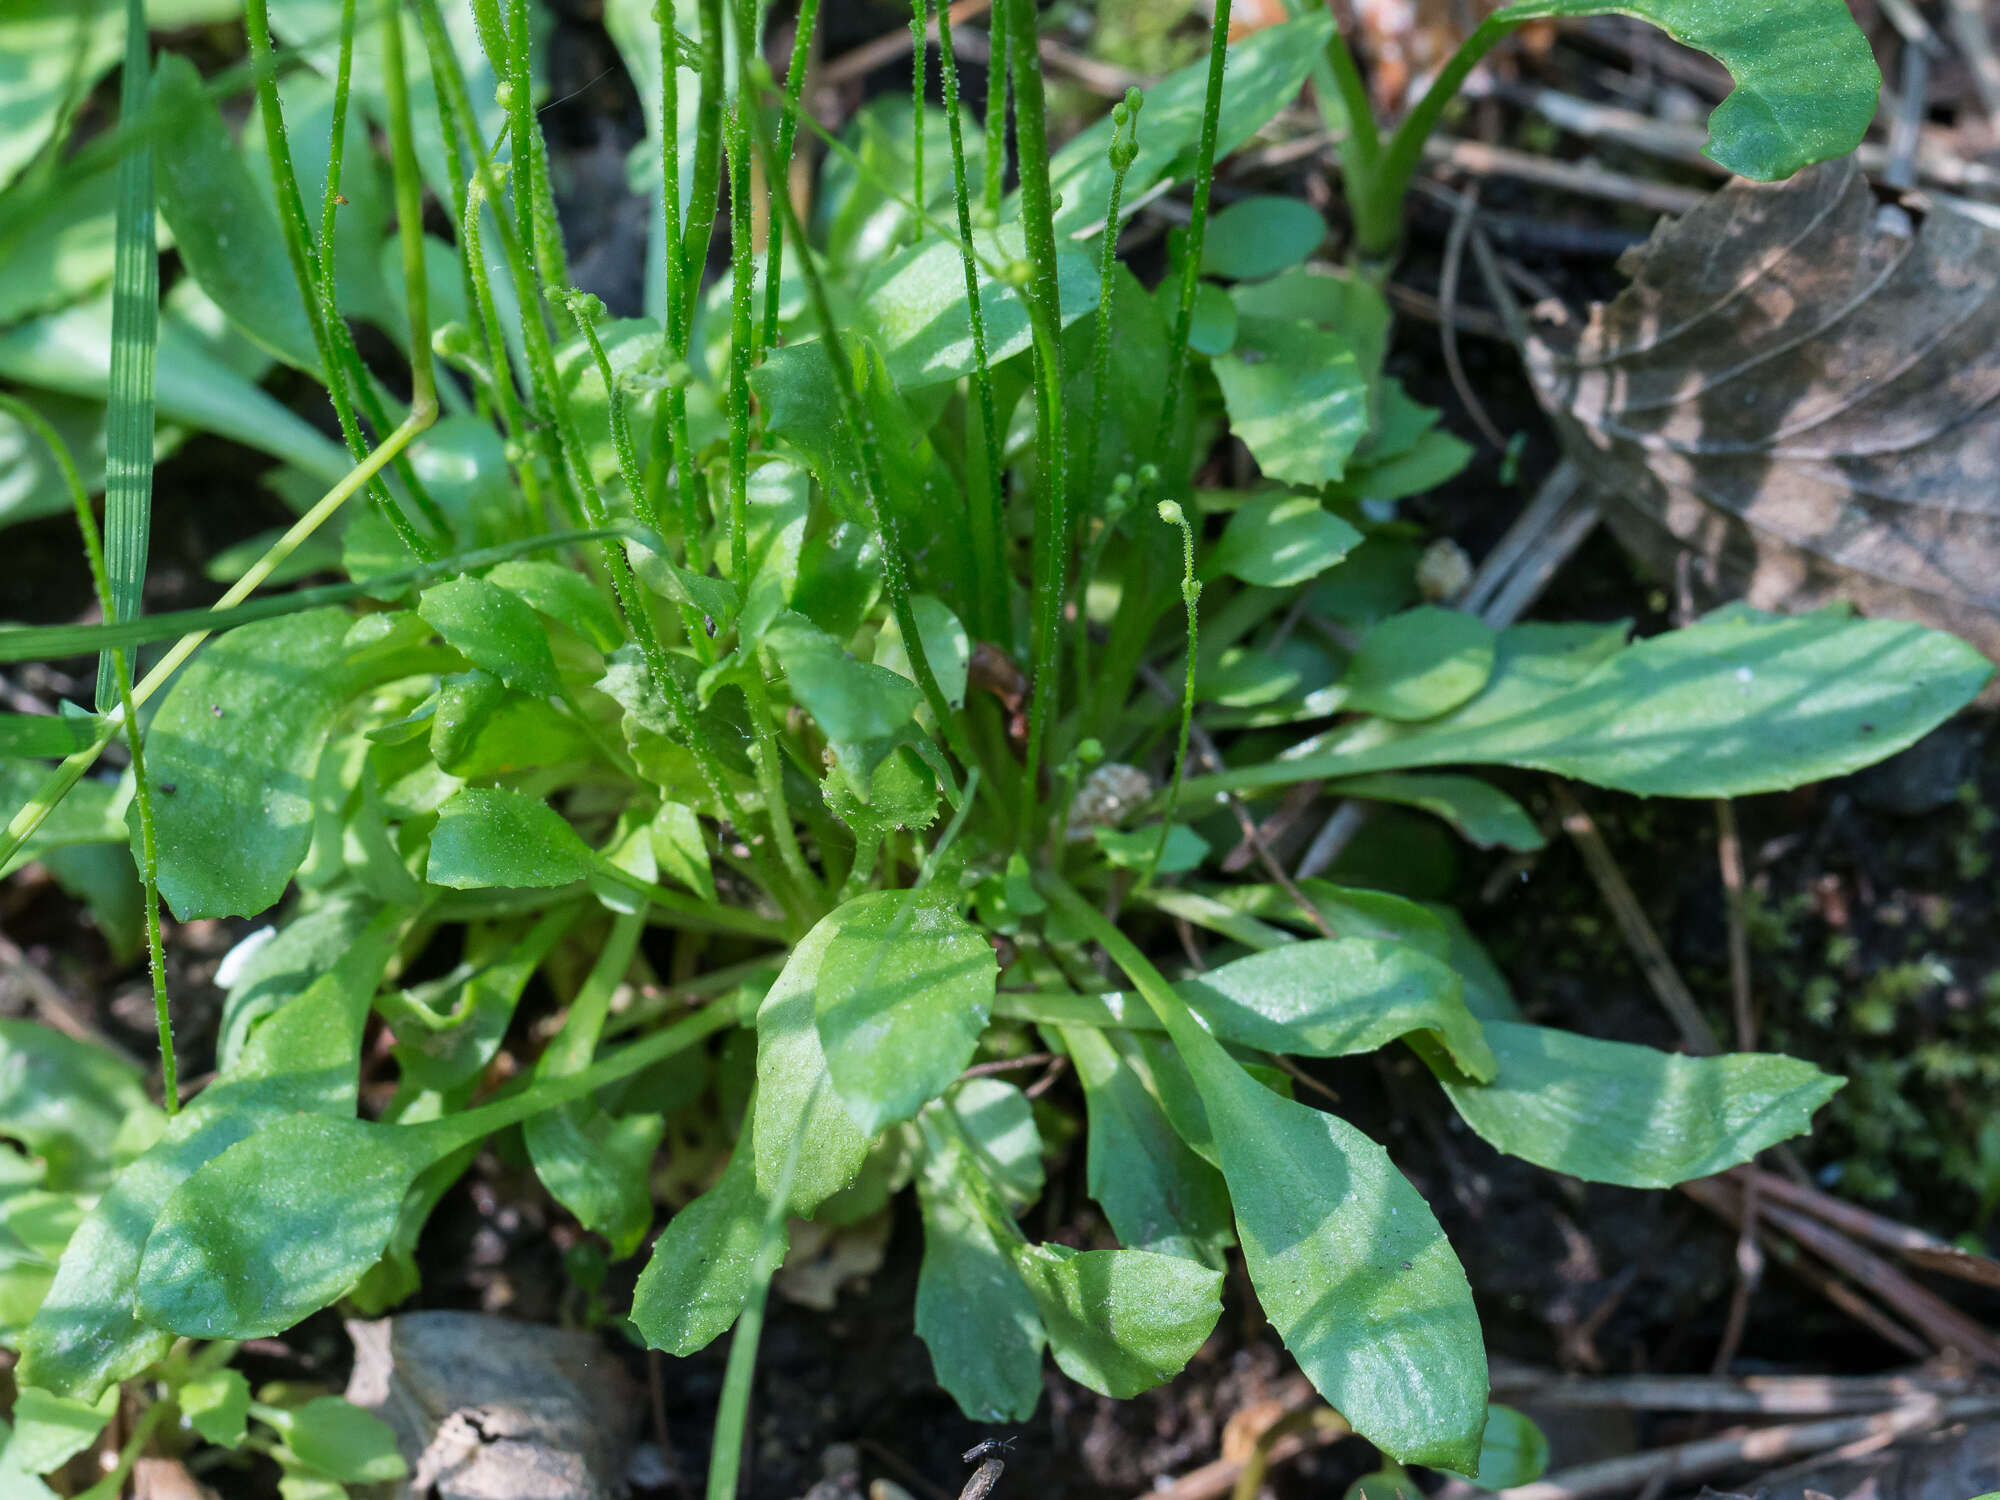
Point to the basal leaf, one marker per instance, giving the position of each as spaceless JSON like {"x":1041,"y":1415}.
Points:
{"x":1156,"y":1192}
{"x":1296,"y":396}
{"x":1337,"y":998}
{"x":973,"y":1312}
{"x":224,"y":228}
{"x":231,"y":756}
{"x":1805,"y":79}
{"x":1276,"y":540}
{"x":915,"y":301}
{"x":56,"y":51}
{"x":1261,"y":75}
{"x":905,"y":988}
{"x":1349,"y":1263}
{"x":1260,"y":236}
{"x":277,"y":1226}
{"x":947,"y":647}
{"x":66,"y":1101}
{"x":1478,"y":809}
{"x":795,"y":1096}
{"x":1121,"y":1321}
{"x":70,"y":351}
{"x":492,"y":836}
{"x":562,"y":594}
{"x":702,"y":1264}
{"x":496,"y":630}
{"x":1419,"y":664}
{"x":303,"y":1062}
{"x":999,"y":1123}
{"x":1741,"y":702}
{"x":1614,"y":1112}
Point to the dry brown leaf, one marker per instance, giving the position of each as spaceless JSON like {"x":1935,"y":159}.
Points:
{"x":486,"y":1408}
{"x":1799,"y":390}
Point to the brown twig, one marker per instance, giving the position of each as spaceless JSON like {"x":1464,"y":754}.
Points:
{"x":1685,"y":1463}
{"x":56,"y":1007}
{"x":1462,"y":220}
{"x":1926,"y":1250}
{"x":1009,"y":1065}
{"x":1213,"y":1480}
{"x":885,"y":49}
{"x":1767,"y":1395}
{"x":1645,"y":944}
{"x":1749,"y":1255}
{"x":1944,"y":1325}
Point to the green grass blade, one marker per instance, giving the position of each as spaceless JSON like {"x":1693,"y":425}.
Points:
{"x":135,"y":337}
{"x":51,"y":642}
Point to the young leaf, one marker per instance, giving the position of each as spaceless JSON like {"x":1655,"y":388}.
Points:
{"x":1156,"y":1192}
{"x":491,"y":836}
{"x":217,"y":1405}
{"x":496,"y":630}
{"x":905,"y":989}
{"x":700,"y":1272}
{"x":1297,"y":397}
{"x":51,"y":1430}
{"x":447,"y":1058}
{"x":1260,"y":236}
{"x":1134,"y":849}
{"x":1337,"y":998}
{"x":231,"y":755}
{"x":680,"y":849}
{"x":1513,"y":1452}
{"x":1477,"y":809}
{"x":1614,"y":1112}
{"x":1278,"y":539}
{"x":1419,"y":664}
{"x":1121,"y":1321}
{"x":341,"y":1441}
{"x":863,"y":710}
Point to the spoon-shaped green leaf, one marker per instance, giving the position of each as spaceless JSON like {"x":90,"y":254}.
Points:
{"x":289,"y":1219}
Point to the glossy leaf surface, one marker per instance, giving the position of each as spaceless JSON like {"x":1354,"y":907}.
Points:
{"x":905,"y":989}
{"x":1615,"y":1112}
